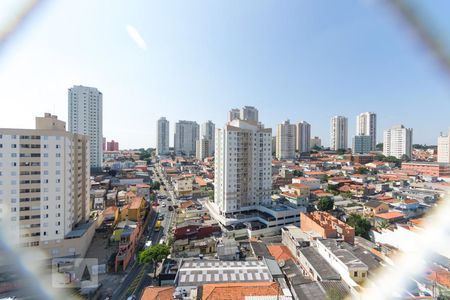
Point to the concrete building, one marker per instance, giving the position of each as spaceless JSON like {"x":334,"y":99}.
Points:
{"x":208,"y":130}
{"x":249,"y":113}
{"x":316,"y":142}
{"x":397,"y":141}
{"x":434,"y":169}
{"x":162,"y":136}
{"x":443,"y":150}
{"x":186,"y":136}
{"x":112,"y":146}
{"x":338,"y":133}
{"x":86,"y":117}
{"x":285,"y":147}
{"x":203,"y":148}
{"x":362,"y":144}
{"x":44,"y":179}
{"x":327,"y":226}
{"x":234,"y":114}
{"x":303,"y":139}
{"x":366,"y":124}
{"x":243,"y":161}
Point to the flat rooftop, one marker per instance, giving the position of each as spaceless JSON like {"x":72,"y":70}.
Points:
{"x":199,"y":272}
{"x":320,"y":265}
{"x":345,"y":255}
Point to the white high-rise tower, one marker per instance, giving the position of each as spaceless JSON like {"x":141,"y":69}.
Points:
{"x":208,"y":131}
{"x":338,"y":133}
{"x":86,"y":117}
{"x":366,"y":124}
{"x":162,"y":136}
{"x":397,"y":141}
{"x":285,"y":139}
{"x":186,"y":136}
{"x":303,"y":137}
{"x":243,"y":177}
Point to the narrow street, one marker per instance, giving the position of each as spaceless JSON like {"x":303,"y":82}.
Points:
{"x":140,"y":276}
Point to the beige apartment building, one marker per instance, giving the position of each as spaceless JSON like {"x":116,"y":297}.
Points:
{"x":44,"y":187}
{"x":286,"y":140}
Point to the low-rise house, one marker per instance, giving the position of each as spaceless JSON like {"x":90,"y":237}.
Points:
{"x":294,"y":238}
{"x":374,"y":207}
{"x":296,"y":193}
{"x":183,"y":186}
{"x":127,"y":233}
{"x":311,"y":182}
{"x":390,"y":217}
{"x":136,"y":210}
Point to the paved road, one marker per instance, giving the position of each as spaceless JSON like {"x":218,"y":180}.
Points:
{"x":140,"y":276}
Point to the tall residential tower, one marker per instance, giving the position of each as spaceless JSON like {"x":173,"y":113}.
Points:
{"x":243,"y":159}
{"x":338,"y":133}
{"x":186,"y":136}
{"x":366,"y":124}
{"x":285,"y":139}
{"x":162,"y":136}
{"x":303,"y":137}
{"x":86,"y":117}
{"x":397,"y":141}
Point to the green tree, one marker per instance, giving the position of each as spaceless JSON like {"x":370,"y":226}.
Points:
{"x":362,"y":225}
{"x":379,"y":146}
{"x":325,"y":204}
{"x":156,"y":185}
{"x":297,"y":173}
{"x":211,"y":196}
{"x":362,"y":171}
{"x":341,"y":151}
{"x":154,"y":254}
{"x":384,"y":224}
{"x":405,"y":158}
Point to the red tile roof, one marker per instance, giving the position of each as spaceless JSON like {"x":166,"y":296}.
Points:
{"x":280,"y":252}
{"x":158,"y":293}
{"x":390,"y":215}
{"x":239,"y":290}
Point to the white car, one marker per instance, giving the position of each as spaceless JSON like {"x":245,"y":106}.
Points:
{"x":148,"y":244}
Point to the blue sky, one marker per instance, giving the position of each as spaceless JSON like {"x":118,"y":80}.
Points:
{"x":302,"y":60}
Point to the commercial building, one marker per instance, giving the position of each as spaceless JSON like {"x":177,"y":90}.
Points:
{"x":366,"y":124}
{"x":186,"y":136}
{"x":435,"y":169}
{"x":443,"y":150}
{"x":162,"y":136}
{"x":208,"y":131}
{"x":112,"y":146}
{"x":397,"y":141}
{"x":285,"y":147}
{"x":44,"y":179}
{"x":362,"y":144}
{"x":303,"y":140}
{"x":243,"y":162}
{"x":316,"y":142}
{"x":338,"y":133}
{"x":86,"y":118}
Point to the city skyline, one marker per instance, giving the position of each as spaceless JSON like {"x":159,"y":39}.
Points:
{"x":187,"y":65}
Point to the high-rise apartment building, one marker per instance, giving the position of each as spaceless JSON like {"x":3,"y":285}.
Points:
{"x":234,"y":114}
{"x":316,"y":142}
{"x":366,"y":124}
{"x":249,"y":113}
{"x":303,"y":137}
{"x":243,"y":160}
{"x":186,"y":136}
{"x":162,"y":136}
{"x":362,"y":144}
{"x":208,"y":131}
{"x":397,"y":141}
{"x":112,"y":146}
{"x":285,"y":138}
{"x":86,"y":117}
{"x":338,"y":133}
{"x":443,"y":150}
{"x":203,"y":148}
{"x":44,"y":180}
